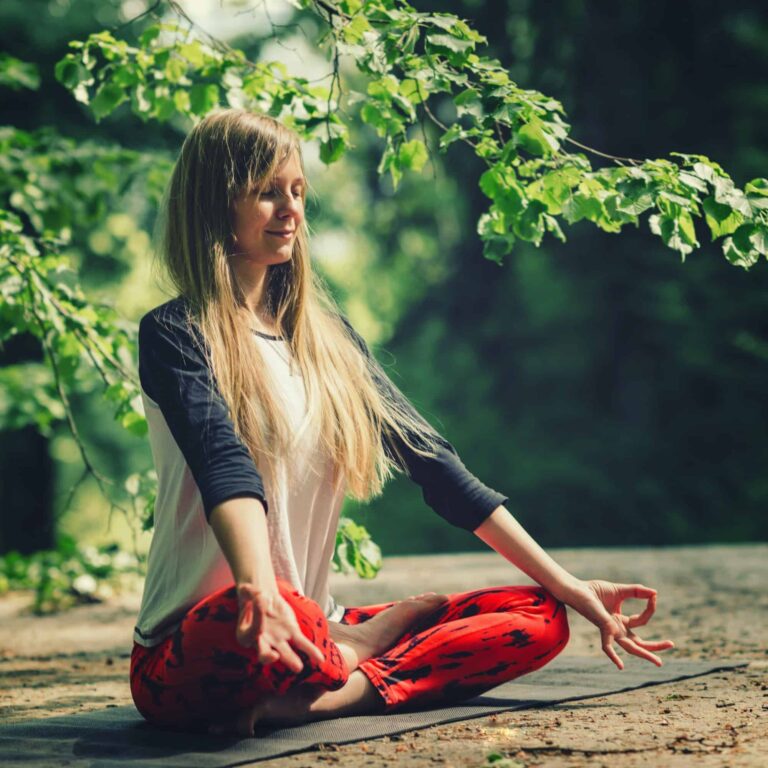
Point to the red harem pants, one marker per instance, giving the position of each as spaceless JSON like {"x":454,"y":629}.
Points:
{"x":469,"y":644}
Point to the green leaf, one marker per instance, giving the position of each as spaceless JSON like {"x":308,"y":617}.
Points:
{"x":580,"y":206}
{"x":384,"y":88}
{"x":757,"y":194}
{"x":530,"y":225}
{"x":355,"y":550}
{"x":721,"y":219}
{"x":677,"y":232}
{"x":203,"y":98}
{"x":738,"y":256}
{"x":468,"y":103}
{"x":729,"y":195}
{"x":692,"y":181}
{"x":554,"y":188}
{"x":451,"y":43}
{"x":636,"y":205}
{"x":534,"y":138}
{"x":107,"y":99}
{"x":757,"y":187}
{"x":181,"y":101}
{"x":454,"y":133}
{"x":331,"y":150}
{"x":175,"y":69}
{"x":412,"y":154}
{"x":17,"y":74}
{"x":148,"y":35}
{"x":135,"y":423}
{"x":496,"y":248}
{"x":70,"y":72}
{"x":354,"y":31}
{"x":552,"y":225}
{"x":748,"y":238}
{"x":500,"y":184}
{"x":193,"y":53}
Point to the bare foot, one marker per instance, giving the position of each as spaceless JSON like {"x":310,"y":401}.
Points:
{"x":304,"y":704}
{"x":358,"y":642}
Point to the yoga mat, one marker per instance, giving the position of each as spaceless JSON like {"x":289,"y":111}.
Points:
{"x":120,"y":738}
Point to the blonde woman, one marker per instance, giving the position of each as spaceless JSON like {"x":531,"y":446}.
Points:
{"x":265,"y":408}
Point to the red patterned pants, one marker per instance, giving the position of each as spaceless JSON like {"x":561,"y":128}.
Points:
{"x":471,"y":643}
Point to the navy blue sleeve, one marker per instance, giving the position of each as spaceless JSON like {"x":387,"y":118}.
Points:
{"x":448,"y":487}
{"x":175,"y":375}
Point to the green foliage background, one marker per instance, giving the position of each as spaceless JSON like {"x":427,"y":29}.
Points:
{"x":613,"y":392}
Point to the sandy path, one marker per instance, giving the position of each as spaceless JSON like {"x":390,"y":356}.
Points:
{"x":712,"y":602}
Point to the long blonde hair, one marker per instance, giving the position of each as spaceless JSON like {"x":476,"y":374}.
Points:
{"x":230,"y":151}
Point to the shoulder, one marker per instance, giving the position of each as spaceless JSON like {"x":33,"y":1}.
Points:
{"x":171,"y":312}
{"x":169,"y":322}
{"x":354,"y":335}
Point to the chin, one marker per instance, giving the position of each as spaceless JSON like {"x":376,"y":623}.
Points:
{"x":282,"y":259}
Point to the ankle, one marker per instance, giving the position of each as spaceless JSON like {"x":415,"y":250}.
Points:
{"x":350,"y":654}
{"x":358,"y":696}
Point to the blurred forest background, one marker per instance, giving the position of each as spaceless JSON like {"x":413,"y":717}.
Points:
{"x":615,"y":394}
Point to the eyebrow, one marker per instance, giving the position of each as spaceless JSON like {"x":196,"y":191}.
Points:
{"x":301,"y":179}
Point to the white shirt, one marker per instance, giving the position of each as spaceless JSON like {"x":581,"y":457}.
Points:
{"x":185,"y":560}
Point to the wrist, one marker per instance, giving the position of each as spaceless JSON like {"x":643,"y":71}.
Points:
{"x":258,"y":583}
{"x":263,"y":598}
{"x":570,"y":589}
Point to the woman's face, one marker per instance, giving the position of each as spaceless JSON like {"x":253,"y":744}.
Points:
{"x":259,"y":220}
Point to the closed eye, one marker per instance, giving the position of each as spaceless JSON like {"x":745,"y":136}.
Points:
{"x":271,"y":192}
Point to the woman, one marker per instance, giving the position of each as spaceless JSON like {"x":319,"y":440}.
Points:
{"x":265,"y":408}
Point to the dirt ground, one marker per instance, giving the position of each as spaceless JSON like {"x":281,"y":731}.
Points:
{"x":712,"y":602}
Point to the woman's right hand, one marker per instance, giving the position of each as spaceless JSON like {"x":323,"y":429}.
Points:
{"x":267,"y":622}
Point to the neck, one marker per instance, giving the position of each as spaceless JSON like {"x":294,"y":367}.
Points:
{"x":252,"y":285}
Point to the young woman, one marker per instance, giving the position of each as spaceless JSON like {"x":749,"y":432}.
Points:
{"x":265,"y":408}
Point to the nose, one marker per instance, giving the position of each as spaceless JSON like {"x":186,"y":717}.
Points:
{"x":290,"y":204}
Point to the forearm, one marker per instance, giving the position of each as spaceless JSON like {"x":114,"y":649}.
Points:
{"x":240,"y":527}
{"x":503,"y":533}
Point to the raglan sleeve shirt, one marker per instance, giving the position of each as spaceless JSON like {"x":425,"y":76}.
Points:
{"x":174,"y":373}
{"x":447,"y":486}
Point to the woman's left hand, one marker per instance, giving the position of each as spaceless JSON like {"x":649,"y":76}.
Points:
{"x":600,"y":602}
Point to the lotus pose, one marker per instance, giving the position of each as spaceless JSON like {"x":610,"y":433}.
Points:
{"x":265,"y":408}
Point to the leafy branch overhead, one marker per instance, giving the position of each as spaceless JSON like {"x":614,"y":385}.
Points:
{"x":533,"y":182}
{"x":54,"y":190}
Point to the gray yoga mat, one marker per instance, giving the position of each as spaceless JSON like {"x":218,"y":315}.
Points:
{"x":119,"y":737}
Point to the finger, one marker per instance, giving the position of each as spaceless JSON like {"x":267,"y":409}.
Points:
{"x":289,"y":657}
{"x":637,"y":590}
{"x":657,"y":645}
{"x":302,"y":643}
{"x":631,"y":647}
{"x":640,"y":619}
{"x":267,"y":654}
{"x":651,"y":645}
{"x":246,"y":720}
{"x":245,"y":625}
{"x":611,"y":653}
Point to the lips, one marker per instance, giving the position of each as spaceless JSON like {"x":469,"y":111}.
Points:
{"x":286,"y":233}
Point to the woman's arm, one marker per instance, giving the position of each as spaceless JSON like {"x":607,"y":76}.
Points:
{"x":447,"y":486}
{"x":502,"y":532}
{"x":265,"y":620}
{"x":240,"y":527}
{"x":175,"y":375}
{"x":598,"y":601}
